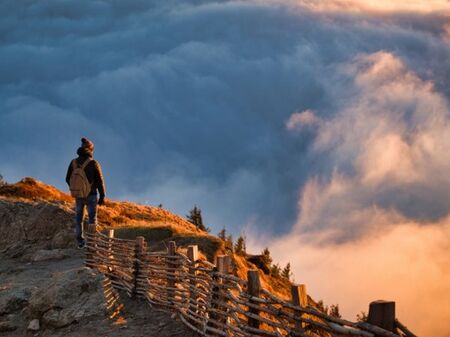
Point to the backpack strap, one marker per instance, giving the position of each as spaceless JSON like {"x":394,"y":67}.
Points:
{"x":74,"y":164}
{"x":86,"y":162}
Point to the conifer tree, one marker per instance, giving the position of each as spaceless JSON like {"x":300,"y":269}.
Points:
{"x":229,"y":243}
{"x":266,"y":258}
{"x":240,"y":246}
{"x":195,"y":217}
{"x":222,"y":234}
{"x":2,"y":180}
{"x":286,"y":273}
{"x":275,"y":270}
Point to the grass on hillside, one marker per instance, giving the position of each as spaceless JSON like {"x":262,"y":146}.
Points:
{"x":157,"y":239}
{"x":158,"y":226}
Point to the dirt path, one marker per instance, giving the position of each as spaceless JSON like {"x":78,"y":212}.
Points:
{"x":19,"y":277}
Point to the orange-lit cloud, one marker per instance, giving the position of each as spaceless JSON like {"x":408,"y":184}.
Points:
{"x":369,"y":230}
{"x":422,"y":6}
{"x":409,"y":264}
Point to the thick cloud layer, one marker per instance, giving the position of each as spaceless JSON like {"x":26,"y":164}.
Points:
{"x":377,"y":226}
{"x":326,"y":122}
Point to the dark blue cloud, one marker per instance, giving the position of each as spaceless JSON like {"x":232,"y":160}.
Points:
{"x":187,"y":101}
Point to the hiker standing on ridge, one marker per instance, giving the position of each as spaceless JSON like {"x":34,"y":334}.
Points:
{"x":84,"y":177}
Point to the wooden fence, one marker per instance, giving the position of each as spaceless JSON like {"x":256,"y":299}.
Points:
{"x":213,"y":302}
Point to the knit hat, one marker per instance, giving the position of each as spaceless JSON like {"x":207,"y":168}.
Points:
{"x":87,"y":144}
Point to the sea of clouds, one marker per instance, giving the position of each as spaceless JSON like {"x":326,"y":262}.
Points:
{"x":318,"y":126}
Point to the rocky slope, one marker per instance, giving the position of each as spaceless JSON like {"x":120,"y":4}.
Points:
{"x":34,"y":215}
{"x":46,"y":291}
{"x":55,"y":295}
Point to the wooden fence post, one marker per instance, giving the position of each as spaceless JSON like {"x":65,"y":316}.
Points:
{"x":382,"y":314}
{"x":254,"y":290}
{"x":300,"y":299}
{"x":111,"y":233}
{"x":217,"y":297}
{"x":224,"y":267}
{"x":192,"y":254}
{"x":91,"y":246}
{"x":139,"y":248}
{"x":110,"y":249}
{"x":171,"y":252}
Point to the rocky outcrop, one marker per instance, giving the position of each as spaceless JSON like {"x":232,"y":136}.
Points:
{"x":53,"y":254}
{"x":14,"y":299}
{"x":71,"y":296}
{"x":44,"y":224}
{"x":35,"y":298}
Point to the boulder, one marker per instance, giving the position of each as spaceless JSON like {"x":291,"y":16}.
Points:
{"x":63,"y":239}
{"x":46,"y":255}
{"x":7,"y":326}
{"x":34,"y":325}
{"x":32,"y":221}
{"x":71,"y":296}
{"x":10,"y":322}
{"x":14,"y":300}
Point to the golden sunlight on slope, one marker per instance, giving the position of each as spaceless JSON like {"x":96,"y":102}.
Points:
{"x":129,"y":220}
{"x":113,"y":215}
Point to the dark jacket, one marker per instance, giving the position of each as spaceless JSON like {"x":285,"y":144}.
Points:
{"x":93,"y":172}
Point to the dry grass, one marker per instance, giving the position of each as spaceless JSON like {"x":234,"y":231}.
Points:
{"x":158,"y":237}
{"x":157,"y":225}
{"x":112,"y":215}
{"x":31,"y":189}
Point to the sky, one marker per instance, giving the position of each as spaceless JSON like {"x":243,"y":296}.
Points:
{"x":318,"y":128}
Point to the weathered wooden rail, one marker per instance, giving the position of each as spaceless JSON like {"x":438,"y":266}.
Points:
{"x":213,"y":302}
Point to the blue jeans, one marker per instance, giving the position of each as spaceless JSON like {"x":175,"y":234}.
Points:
{"x":80,"y":203}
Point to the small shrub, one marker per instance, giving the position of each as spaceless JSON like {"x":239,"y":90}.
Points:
{"x":361,"y":317}
{"x":322,"y":307}
{"x":334,"y":311}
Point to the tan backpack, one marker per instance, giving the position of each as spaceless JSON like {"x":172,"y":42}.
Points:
{"x":79,"y":184}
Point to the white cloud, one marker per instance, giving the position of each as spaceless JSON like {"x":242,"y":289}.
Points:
{"x":301,"y":119}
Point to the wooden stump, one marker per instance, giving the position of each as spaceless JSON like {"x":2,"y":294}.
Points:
{"x":110,"y":248}
{"x":217,"y":315}
{"x":138,"y":252}
{"x":299,"y":299}
{"x":171,"y":283}
{"x":91,"y":246}
{"x":192,"y":254}
{"x":382,"y":314}
{"x":254,"y":290}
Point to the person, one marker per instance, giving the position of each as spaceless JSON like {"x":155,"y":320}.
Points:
{"x":94,"y":175}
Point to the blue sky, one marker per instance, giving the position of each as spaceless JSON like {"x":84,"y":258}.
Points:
{"x":325,"y":120}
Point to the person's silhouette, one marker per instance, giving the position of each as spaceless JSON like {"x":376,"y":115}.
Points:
{"x":93,"y":173}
